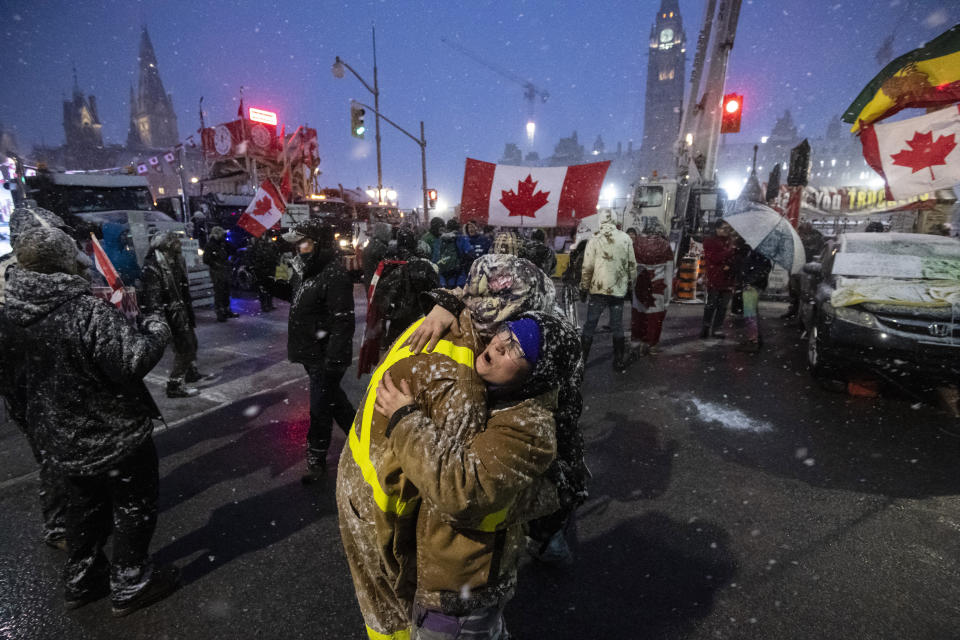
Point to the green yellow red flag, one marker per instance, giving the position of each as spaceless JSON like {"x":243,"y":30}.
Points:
{"x":925,"y":77}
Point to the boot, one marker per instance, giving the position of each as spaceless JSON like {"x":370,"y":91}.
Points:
{"x":163,"y":582}
{"x":177,"y":389}
{"x":587,"y":343}
{"x":620,"y":358}
{"x":221,"y":314}
{"x":231,"y":314}
{"x":705,"y":332}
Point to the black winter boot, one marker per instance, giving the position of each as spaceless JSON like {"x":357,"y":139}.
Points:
{"x":587,"y":343}
{"x":620,"y":361}
{"x":177,"y":389}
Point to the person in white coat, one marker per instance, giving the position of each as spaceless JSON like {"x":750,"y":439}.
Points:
{"x":609,"y":269}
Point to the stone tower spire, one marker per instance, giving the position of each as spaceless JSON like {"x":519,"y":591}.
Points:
{"x":666,"y":67}
{"x":153,"y":123}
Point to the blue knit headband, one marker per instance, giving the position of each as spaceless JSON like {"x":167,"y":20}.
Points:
{"x":527,"y":332}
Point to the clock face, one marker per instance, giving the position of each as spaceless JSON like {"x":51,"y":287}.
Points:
{"x":666,"y":36}
{"x":222,"y":141}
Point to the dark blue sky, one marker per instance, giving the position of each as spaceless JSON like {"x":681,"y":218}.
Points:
{"x":809,"y":56}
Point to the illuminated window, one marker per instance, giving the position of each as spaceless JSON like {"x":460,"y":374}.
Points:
{"x":667,"y":75}
{"x":161,"y":190}
{"x":671,"y":14}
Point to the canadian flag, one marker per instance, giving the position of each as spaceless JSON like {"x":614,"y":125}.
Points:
{"x":264,"y":212}
{"x":915,"y":156}
{"x":106,"y":268}
{"x":509,"y":196}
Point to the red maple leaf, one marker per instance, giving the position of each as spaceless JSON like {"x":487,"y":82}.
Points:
{"x":263,"y":206}
{"x":524,"y":202}
{"x":924,"y":153}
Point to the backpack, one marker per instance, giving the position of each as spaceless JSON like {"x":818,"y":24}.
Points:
{"x":448,"y":256}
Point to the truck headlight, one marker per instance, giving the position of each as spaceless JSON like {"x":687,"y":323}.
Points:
{"x":855,"y":316}
{"x":343,"y":243}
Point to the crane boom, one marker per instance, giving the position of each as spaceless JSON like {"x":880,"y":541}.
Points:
{"x":530,"y":90}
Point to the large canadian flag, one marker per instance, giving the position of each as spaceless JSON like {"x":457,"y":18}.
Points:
{"x":264,"y":212}
{"x":509,"y":196}
{"x":918,"y":155}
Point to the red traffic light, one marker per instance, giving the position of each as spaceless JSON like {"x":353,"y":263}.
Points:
{"x":432,"y":197}
{"x":732,"y":110}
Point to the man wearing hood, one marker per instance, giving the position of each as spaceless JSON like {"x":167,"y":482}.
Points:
{"x":479,"y":489}
{"x":216,"y":255}
{"x":375,"y":251}
{"x":73,"y":370}
{"x":651,"y":293}
{"x":53,"y":497}
{"x":320,"y":333}
{"x":609,"y":269}
{"x":433,"y":233}
{"x":165,"y":291}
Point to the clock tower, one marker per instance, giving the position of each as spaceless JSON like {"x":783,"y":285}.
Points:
{"x":664,"y":98}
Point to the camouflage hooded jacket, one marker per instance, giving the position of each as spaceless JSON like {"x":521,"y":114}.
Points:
{"x":609,"y":265}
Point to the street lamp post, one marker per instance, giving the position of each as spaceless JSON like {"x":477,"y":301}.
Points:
{"x":337,"y":70}
{"x":421,"y":141}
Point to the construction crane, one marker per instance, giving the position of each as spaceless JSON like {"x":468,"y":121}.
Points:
{"x":530,"y":91}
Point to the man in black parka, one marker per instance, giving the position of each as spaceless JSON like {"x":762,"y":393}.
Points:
{"x":320,"y":332}
{"x":73,"y":369}
{"x":165,"y":290}
{"x":216,"y":255}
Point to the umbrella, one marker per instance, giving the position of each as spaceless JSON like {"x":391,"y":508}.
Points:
{"x":770,"y":234}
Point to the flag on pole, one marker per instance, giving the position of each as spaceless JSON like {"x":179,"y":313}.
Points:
{"x":510,"y":196}
{"x":107,"y":270}
{"x":915,"y":156}
{"x":169,"y":157}
{"x":925,"y":77}
{"x":264,"y":211}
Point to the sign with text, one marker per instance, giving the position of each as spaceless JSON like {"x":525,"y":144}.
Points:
{"x":294,"y":215}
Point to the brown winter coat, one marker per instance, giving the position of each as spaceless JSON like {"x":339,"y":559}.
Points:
{"x":477,"y":494}
{"x":377,"y":502}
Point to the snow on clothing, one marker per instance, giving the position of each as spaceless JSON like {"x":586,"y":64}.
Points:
{"x":377,"y":503}
{"x":83,"y":391}
{"x":752,"y":276}
{"x":165,"y":291}
{"x":609,"y":265}
{"x":398,"y":294}
{"x":480,"y":245}
{"x":73,"y":370}
{"x":650,"y":292}
{"x":479,"y":491}
{"x":500,"y":287}
{"x":506,"y":243}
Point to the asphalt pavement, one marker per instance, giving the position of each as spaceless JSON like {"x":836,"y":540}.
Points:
{"x":732,"y":497}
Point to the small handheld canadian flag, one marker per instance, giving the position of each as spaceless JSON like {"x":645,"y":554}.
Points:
{"x":264,"y":212}
{"x":109,"y":272}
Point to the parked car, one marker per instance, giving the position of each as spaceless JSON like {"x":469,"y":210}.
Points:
{"x":882,"y":301}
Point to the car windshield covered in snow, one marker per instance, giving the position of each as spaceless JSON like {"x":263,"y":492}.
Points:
{"x":898,"y":255}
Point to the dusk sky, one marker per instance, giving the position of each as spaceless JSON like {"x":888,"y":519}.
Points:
{"x":812,"y":57}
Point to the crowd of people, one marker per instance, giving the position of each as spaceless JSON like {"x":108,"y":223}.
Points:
{"x":464,"y":450}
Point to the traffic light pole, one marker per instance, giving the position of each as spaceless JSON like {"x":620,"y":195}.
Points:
{"x":338,"y":66}
{"x":422,"y":141}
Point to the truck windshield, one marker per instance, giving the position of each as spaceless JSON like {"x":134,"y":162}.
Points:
{"x":649,"y":197}
{"x":80,"y":199}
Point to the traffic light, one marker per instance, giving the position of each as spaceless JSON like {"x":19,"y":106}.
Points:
{"x":432,"y":197}
{"x":357,"y":127}
{"x":732,"y":110}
